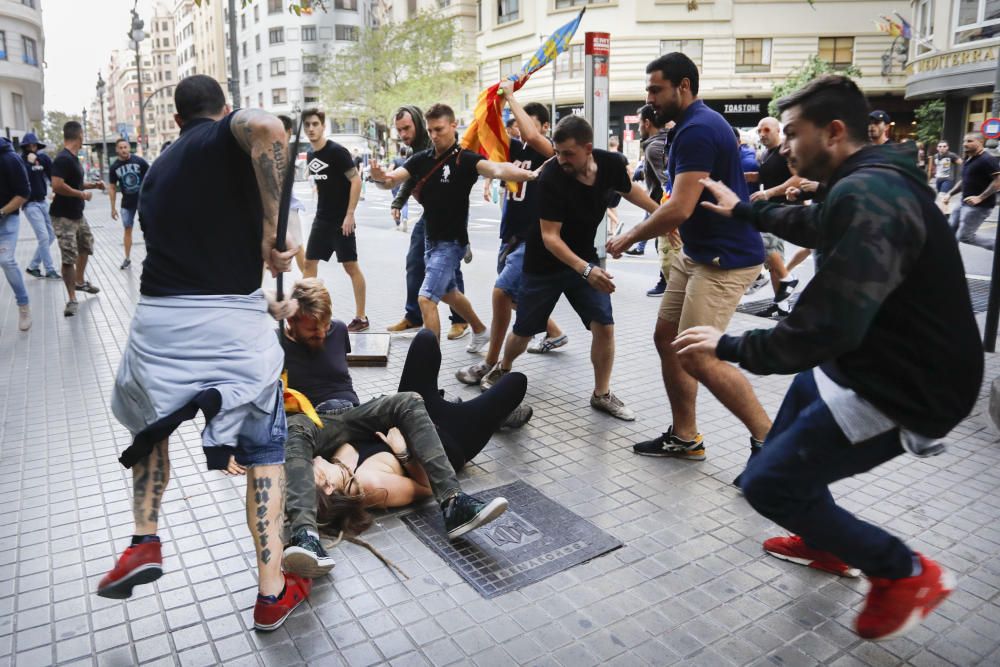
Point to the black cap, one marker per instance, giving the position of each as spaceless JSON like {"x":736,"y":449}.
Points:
{"x":879,"y":116}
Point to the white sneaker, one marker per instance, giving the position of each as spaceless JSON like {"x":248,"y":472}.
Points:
{"x":762,"y":279}
{"x":612,"y":405}
{"x":492,"y":377}
{"x":543,"y":344}
{"x":23,"y":317}
{"x":472,"y":374}
{"x":478,"y":342}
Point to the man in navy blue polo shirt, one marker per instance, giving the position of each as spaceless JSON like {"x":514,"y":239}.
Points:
{"x":719,"y":261}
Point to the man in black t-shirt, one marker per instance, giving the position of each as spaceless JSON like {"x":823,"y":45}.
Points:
{"x":444,"y":175}
{"x":979,"y":185}
{"x":127,"y":173}
{"x":201,"y":337}
{"x":774,"y":178}
{"x":76,"y":243}
{"x":561,"y":259}
{"x":529,"y":149}
{"x":338,"y":186}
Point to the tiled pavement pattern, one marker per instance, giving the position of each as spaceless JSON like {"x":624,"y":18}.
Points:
{"x":691,"y":586}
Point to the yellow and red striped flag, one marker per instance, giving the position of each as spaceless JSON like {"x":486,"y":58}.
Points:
{"x":486,"y":134}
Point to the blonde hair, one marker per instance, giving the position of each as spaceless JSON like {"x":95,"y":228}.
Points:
{"x":314,"y":299}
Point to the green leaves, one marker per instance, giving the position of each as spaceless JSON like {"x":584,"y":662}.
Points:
{"x":813,"y":68}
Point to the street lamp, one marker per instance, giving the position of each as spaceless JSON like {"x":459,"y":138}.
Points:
{"x":101,"y":87}
{"x":86,"y":153}
{"x":136,"y":34}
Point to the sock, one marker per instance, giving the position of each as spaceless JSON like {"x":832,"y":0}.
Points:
{"x":918,"y":569}
{"x":271,"y":599}
{"x":142,"y":539}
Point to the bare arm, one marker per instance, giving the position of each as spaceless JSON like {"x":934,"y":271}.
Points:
{"x":112,"y":192}
{"x":529,"y":133}
{"x":991,"y":189}
{"x":262,"y":136}
{"x":777,"y":190}
{"x":352,"y":201}
{"x":399,"y":489}
{"x":61,"y":187}
{"x":668,"y":217}
{"x":388,"y":180}
{"x":13,"y":205}
{"x":598,"y":278}
{"x":640,"y":198}
{"x":504,"y":171}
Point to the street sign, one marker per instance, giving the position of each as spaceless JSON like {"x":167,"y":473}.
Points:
{"x":991,"y":128}
{"x":631,"y":119}
{"x":597,"y":106}
{"x":629,"y":135}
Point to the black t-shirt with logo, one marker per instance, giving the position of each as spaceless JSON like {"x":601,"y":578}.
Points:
{"x":329,"y":166}
{"x":520,"y":213}
{"x":580,"y":208}
{"x":202,"y":216}
{"x":977,"y":174}
{"x":321,"y":375}
{"x":127,"y":175}
{"x":773,"y":172}
{"x":67,"y":167}
{"x":444,"y":194}
{"x":944,"y":165}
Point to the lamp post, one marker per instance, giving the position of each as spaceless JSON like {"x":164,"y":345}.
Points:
{"x":136,"y":34}
{"x":101,"y":87}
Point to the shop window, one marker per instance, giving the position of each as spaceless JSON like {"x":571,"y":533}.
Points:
{"x":692,"y":48}
{"x":976,"y":20}
{"x":838,"y":51}
{"x":753,"y":55}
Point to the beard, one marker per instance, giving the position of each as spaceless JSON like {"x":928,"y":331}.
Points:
{"x":568,"y":168}
{"x":817,"y":168}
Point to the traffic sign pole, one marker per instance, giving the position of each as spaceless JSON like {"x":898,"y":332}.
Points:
{"x":597,"y":108}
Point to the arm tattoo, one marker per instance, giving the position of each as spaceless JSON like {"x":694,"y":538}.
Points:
{"x":351,"y":173}
{"x":261,"y":499}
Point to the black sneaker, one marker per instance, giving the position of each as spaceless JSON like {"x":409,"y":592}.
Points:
{"x":755,"y":447}
{"x":87,"y":287}
{"x":127,"y":263}
{"x":33,"y":272}
{"x":463,"y":513}
{"x":658,"y":289}
{"x":519,"y":417}
{"x":306,"y":557}
{"x":670,"y":445}
{"x":785,"y":289}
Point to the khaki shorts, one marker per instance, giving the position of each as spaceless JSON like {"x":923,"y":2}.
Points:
{"x":701,"y":295}
{"x":667,"y":253}
{"x":74,"y":238}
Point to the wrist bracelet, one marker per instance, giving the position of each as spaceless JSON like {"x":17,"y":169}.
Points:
{"x":587,"y":270}
{"x":403,"y":458}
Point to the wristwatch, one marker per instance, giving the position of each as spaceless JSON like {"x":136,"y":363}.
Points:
{"x":587,"y":270}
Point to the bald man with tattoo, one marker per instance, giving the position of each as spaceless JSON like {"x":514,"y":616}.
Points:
{"x":202,"y":339}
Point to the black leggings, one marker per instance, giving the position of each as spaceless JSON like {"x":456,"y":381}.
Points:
{"x":464,"y":427}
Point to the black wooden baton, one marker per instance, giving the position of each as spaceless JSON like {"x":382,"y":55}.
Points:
{"x":286,"y":198}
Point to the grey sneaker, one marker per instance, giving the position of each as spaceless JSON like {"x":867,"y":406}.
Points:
{"x":492,"y":377}
{"x":71,"y":308}
{"x":546,"y":344}
{"x":23,"y":317}
{"x":612,"y":405}
{"x":306,"y":557}
{"x":472,"y":374}
{"x":519,"y":417}
{"x":87,"y":287}
{"x":478,"y":342}
{"x":758,"y":282}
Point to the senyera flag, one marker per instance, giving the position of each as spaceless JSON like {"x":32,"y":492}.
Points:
{"x":486,"y":134}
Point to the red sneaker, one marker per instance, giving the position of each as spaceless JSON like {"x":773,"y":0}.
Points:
{"x":894,"y":606}
{"x":269,"y":616}
{"x":140,"y":564}
{"x":794,"y":550}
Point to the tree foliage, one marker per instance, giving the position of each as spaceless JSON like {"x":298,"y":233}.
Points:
{"x":930,"y":122}
{"x":412,"y":62}
{"x":52,"y":125}
{"x":303,"y":7}
{"x":813,"y":68}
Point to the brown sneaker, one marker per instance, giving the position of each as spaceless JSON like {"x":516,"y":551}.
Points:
{"x":358,"y":324}
{"x":458,"y":330}
{"x":402,"y":326}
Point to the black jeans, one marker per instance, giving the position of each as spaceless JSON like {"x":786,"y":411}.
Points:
{"x":464,"y":427}
{"x":788,"y":482}
{"x":415,"y":275}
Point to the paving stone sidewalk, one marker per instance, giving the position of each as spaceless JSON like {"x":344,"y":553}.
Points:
{"x":691,"y":585}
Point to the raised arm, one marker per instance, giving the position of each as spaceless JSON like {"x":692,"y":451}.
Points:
{"x":388,"y":180}
{"x":262,"y":136}
{"x":529,"y":133}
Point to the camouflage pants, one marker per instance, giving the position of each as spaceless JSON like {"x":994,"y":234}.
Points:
{"x":74,"y":238}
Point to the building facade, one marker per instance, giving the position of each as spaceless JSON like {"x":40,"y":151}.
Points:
{"x":22,"y":78}
{"x":160,"y":125}
{"x":122,"y":103}
{"x":742,"y":50}
{"x":279,"y":54}
{"x":954,"y":54}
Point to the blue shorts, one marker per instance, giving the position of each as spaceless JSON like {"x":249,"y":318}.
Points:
{"x":262,"y":435}
{"x":509,"y":270}
{"x":541,"y":291}
{"x":441,"y":260}
{"x":128,"y":217}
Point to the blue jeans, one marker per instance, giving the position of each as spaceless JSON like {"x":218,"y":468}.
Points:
{"x":37,"y":213}
{"x":415,"y":275}
{"x":966,"y":220}
{"x":788,"y":482}
{"x":441,"y":262}
{"x":9,"y":225}
{"x":404,"y":213}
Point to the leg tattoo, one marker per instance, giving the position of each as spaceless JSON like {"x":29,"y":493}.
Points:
{"x":261,"y":499}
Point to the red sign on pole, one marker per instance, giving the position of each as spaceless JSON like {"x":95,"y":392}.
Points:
{"x":991,"y":128}
{"x":631,"y":119}
{"x":598,"y":44}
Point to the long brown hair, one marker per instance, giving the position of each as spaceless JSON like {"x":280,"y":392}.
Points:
{"x":340,"y":515}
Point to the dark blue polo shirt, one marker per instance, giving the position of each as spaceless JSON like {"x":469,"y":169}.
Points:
{"x":201,"y":216}
{"x":39,"y":174}
{"x":703,"y":141}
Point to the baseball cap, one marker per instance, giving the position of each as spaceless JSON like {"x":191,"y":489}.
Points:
{"x":879,"y":116}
